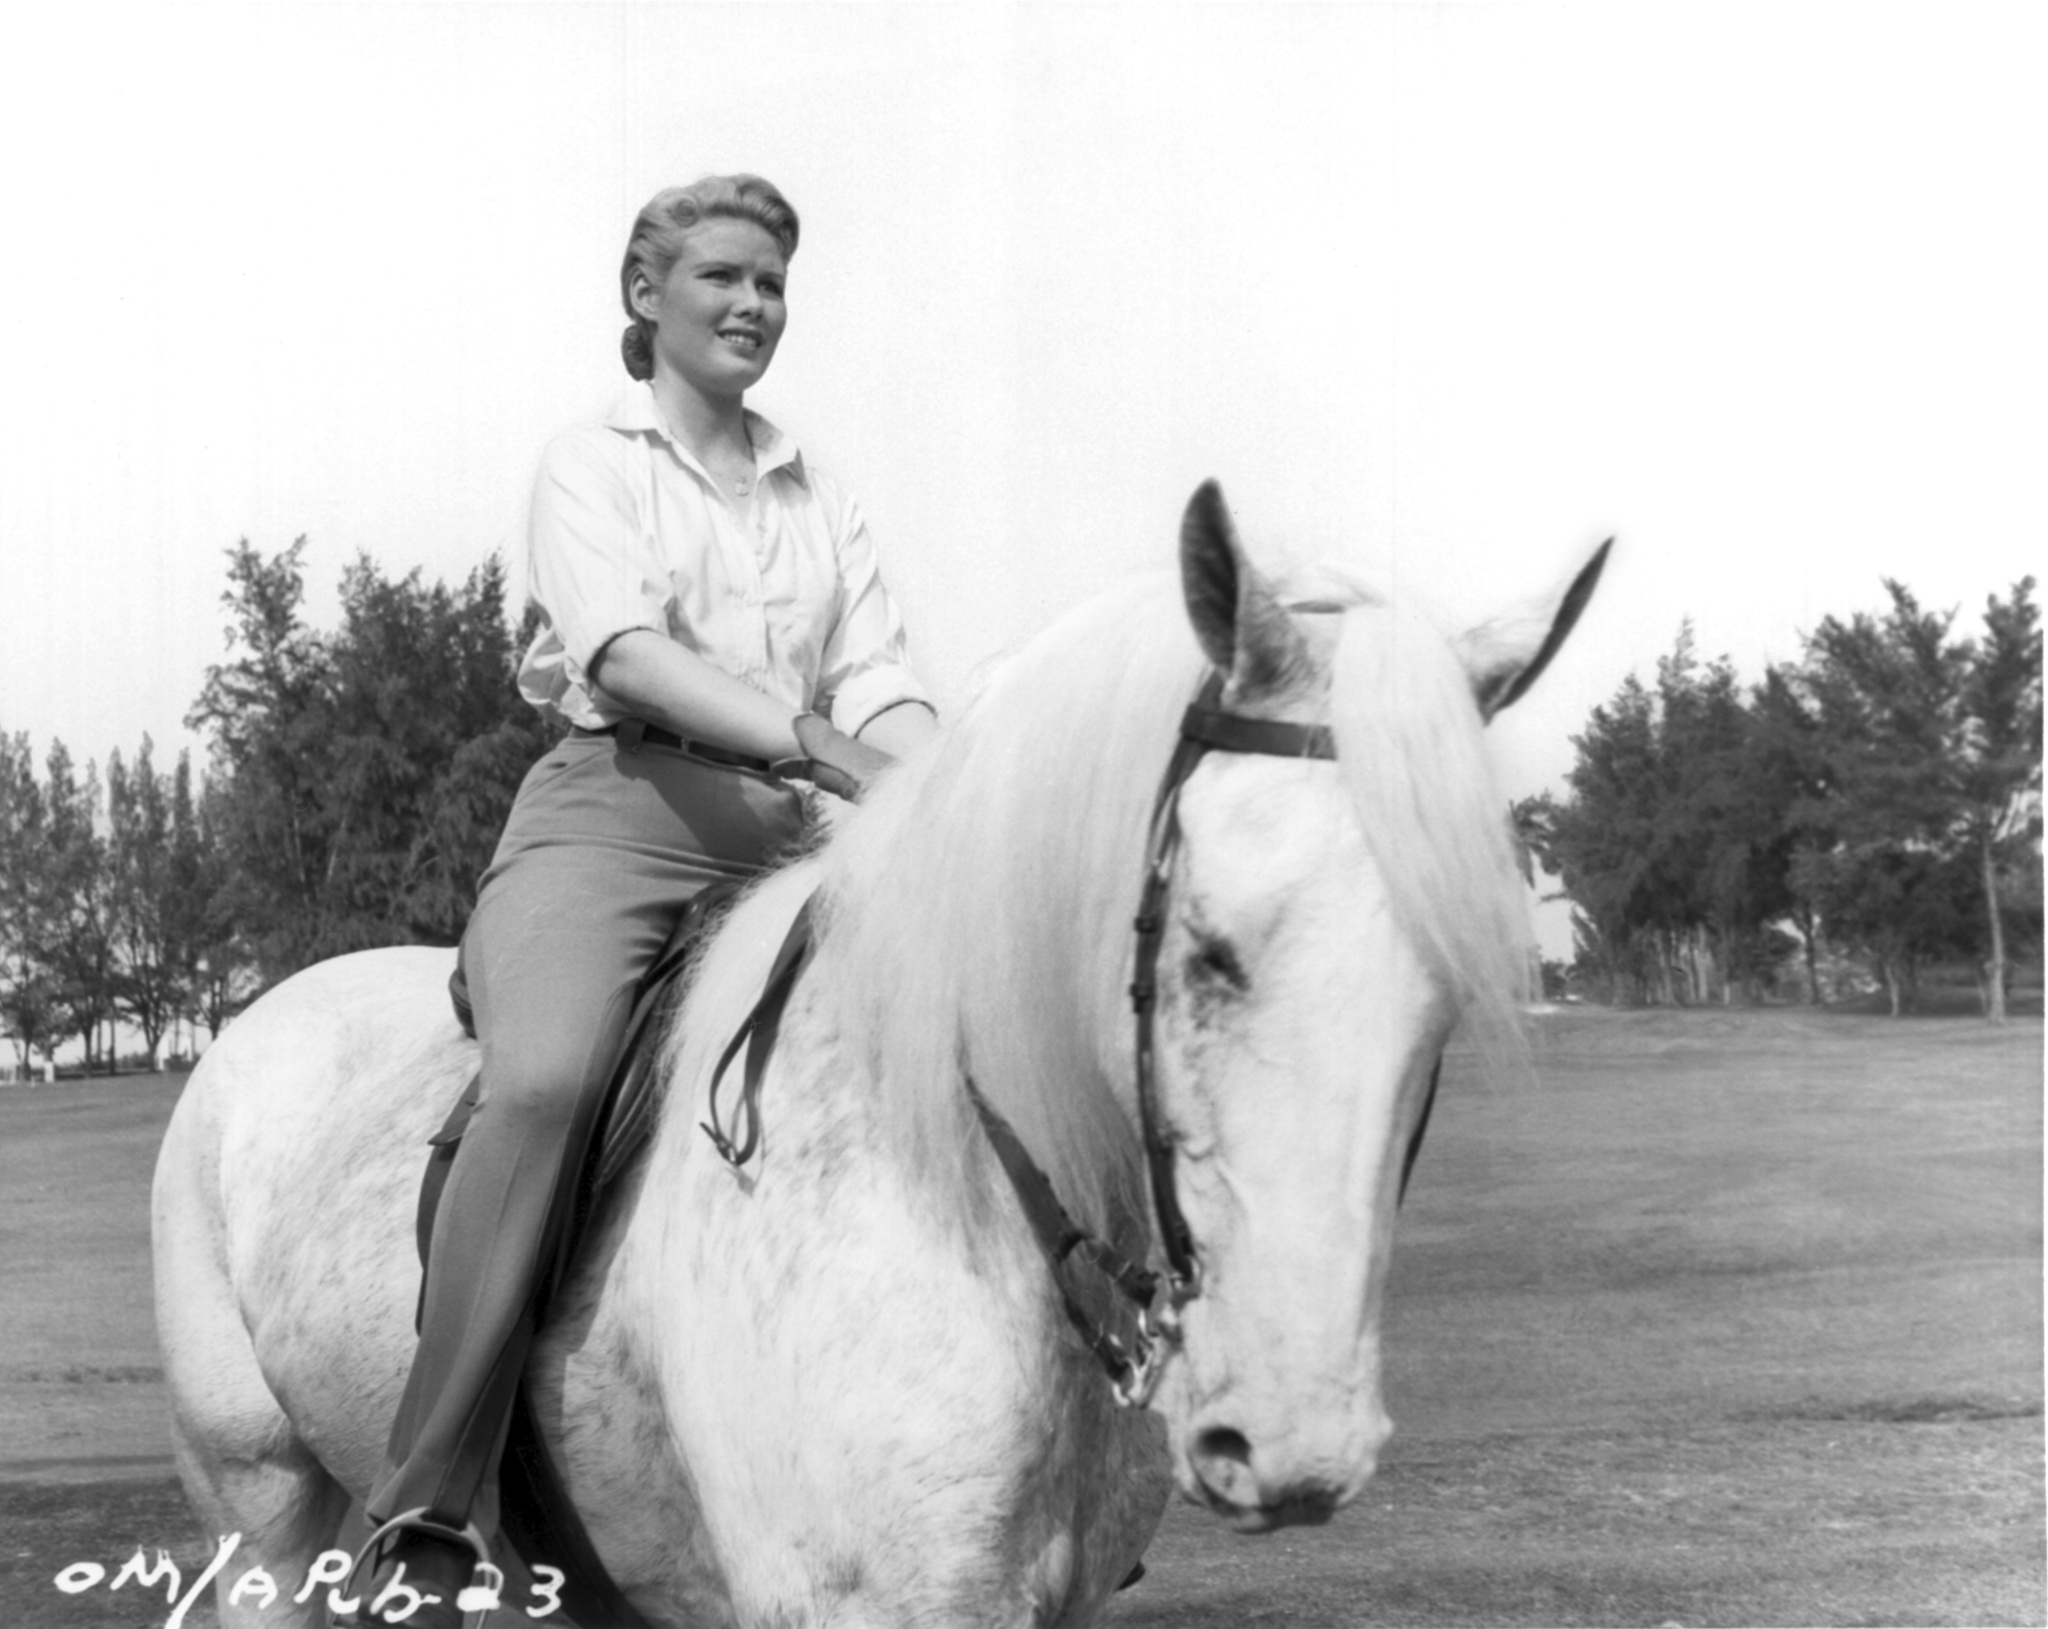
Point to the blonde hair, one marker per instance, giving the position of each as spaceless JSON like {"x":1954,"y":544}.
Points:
{"x":666,"y":219}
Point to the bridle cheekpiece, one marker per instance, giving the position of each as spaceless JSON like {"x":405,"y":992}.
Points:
{"x":1203,"y":728}
{"x":1134,"y":1370}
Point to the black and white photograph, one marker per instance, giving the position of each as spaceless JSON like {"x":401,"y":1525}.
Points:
{"x":1010,"y":814}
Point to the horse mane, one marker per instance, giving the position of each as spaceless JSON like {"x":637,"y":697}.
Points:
{"x":981,"y":903}
{"x":1412,"y":747}
{"x":977,"y":909}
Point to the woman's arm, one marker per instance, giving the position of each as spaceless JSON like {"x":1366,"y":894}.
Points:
{"x":676,"y":688}
{"x":668,"y":685}
{"x":658,"y":680}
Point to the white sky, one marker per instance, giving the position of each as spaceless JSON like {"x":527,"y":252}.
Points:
{"x":1452,"y":290}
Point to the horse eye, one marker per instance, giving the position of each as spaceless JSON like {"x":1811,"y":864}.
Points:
{"x":1214,"y":962}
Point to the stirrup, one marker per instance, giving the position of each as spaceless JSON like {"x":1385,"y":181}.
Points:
{"x":408,"y":1522}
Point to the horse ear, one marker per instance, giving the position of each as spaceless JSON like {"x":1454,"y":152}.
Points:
{"x":1506,"y":656}
{"x":1237,"y":621}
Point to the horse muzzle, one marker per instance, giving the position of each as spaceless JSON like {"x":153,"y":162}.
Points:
{"x":1298,"y":1475}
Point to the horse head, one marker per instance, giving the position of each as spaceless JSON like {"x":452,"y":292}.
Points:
{"x":1328,"y":921}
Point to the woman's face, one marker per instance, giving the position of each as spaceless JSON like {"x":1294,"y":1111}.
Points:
{"x":719,"y":313}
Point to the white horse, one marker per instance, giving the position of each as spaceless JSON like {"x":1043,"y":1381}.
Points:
{"x":839,"y":1386}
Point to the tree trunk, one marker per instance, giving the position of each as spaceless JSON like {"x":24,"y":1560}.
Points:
{"x":1994,"y":1003}
{"x":215,"y":1007}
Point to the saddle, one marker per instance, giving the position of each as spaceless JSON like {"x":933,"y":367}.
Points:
{"x":536,"y":1516}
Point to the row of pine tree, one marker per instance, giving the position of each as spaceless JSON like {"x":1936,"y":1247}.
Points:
{"x":1874,"y":805}
{"x":355,"y":784}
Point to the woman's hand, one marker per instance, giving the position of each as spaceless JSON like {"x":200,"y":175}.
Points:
{"x":837,"y":763}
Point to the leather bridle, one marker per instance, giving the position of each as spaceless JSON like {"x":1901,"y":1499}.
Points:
{"x":1134,"y":1371}
{"x":1133,"y":1368}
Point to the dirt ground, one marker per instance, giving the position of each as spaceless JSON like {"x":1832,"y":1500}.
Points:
{"x":1715,"y":1318}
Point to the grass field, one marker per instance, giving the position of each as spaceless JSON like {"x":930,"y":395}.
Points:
{"x":1723,"y":1318}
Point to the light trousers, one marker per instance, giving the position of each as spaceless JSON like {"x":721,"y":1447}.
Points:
{"x":603,"y":849}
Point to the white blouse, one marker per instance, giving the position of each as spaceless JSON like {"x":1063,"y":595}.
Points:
{"x":628,"y":530}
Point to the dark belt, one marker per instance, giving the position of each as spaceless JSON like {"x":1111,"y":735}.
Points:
{"x":631,"y":733}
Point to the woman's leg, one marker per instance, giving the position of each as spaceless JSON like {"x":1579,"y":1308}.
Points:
{"x":553,"y":956}
{"x":602,"y":852}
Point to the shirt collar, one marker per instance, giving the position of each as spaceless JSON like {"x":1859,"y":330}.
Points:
{"x":636,"y":410}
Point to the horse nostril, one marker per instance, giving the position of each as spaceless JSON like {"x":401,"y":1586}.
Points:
{"x":1221,"y":1444}
{"x":1222,"y":1462}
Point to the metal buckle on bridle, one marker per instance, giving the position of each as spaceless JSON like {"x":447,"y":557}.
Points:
{"x":1158,"y":1337}
{"x":1146,"y":1362}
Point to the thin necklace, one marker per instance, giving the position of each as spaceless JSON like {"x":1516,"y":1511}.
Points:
{"x":744,"y":482}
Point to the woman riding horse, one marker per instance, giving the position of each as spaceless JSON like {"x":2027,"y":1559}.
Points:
{"x":715,"y":622}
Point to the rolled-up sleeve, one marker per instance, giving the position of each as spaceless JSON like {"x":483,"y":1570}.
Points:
{"x":866,"y":667}
{"x":592,"y":569}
